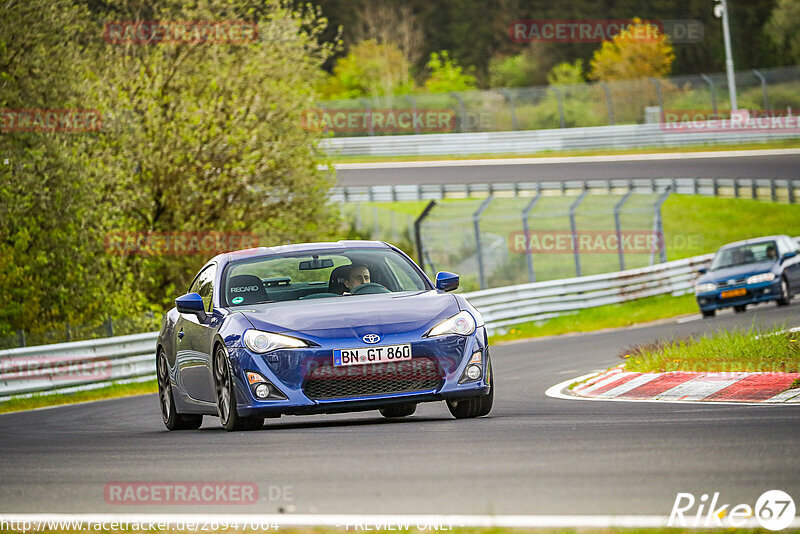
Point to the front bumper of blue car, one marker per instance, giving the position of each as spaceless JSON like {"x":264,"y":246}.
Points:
{"x":739,"y":295}
{"x":306,"y":381}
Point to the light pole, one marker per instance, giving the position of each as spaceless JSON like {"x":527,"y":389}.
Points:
{"x":721,"y":11}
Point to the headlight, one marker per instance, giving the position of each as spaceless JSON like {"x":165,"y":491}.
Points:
{"x":461,"y":323}
{"x":763,"y":277}
{"x":704,"y":288}
{"x":263,"y":342}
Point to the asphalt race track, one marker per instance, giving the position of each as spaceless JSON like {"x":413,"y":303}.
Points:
{"x":779,"y":165}
{"x":532,"y":455}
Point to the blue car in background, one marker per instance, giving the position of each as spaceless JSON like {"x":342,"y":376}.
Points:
{"x":749,"y":272}
{"x":319,"y":328}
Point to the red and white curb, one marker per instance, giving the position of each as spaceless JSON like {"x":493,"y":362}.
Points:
{"x":679,"y":386}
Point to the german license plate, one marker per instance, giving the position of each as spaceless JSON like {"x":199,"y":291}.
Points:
{"x":365,"y":355}
{"x":733,"y":293}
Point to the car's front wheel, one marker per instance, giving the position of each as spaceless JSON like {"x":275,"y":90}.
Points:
{"x":474,"y":406}
{"x":708,"y":313}
{"x":226,"y":396}
{"x":172,"y":419}
{"x":786,"y":295}
{"x":740,"y":309}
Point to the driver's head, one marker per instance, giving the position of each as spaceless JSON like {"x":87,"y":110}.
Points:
{"x":772,"y":253}
{"x":357,"y":275}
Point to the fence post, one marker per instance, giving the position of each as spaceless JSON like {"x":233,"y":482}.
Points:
{"x":735,"y":188}
{"x":109,"y":324}
{"x":658,"y":228}
{"x":618,"y":226}
{"x":713,"y":91}
{"x":790,"y":186}
{"x":418,"y":232}
{"x":657,"y":83}
{"x":476,"y":223}
{"x":560,"y":103}
{"x":763,"y":90}
{"x":462,"y":112}
{"x":753,"y":189}
{"x":772,"y":192}
{"x":368,"y":113}
{"x":526,"y":213}
{"x":574,"y":229}
{"x":508,"y":97}
{"x":609,"y":103}
{"x":21,"y":337}
{"x":410,"y":99}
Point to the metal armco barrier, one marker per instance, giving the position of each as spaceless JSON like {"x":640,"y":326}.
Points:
{"x":532,"y":141}
{"x":77,"y":365}
{"x":755,"y":188}
{"x":510,"y":305}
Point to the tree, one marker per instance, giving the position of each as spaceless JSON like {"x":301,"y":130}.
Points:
{"x":567,"y":74}
{"x":640,"y":51}
{"x":370,"y":69}
{"x":784,"y":29}
{"x":446,"y":75}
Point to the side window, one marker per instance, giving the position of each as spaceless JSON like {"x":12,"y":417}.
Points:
{"x":204,"y":286}
{"x":400,"y":271}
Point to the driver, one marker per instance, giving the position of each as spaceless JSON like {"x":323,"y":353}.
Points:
{"x":772,"y":253}
{"x":357,"y":274}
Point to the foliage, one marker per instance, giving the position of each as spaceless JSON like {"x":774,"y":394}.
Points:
{"x":783,"y":28}
{"x":567,"y":74}
{"x":370,"y":69}
{"x":519,"y":70}
{"x":640,"y":51}
{"x":447,"y":75}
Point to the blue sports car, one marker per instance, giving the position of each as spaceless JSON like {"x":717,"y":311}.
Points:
{"x":319,"y":328}
{"x":748,"y":272}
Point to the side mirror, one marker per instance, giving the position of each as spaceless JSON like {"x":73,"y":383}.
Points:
{"x":191,"y":303}
{"x":446,"y":281}
{"x":702,"y":270}
{"x":790,"y":254}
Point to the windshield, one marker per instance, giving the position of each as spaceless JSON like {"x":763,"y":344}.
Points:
{"x":319,"y":274}
{"x":745,"y":254}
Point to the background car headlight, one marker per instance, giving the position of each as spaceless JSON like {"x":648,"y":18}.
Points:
{"x":763,"y":277}
{"x":704,"y":288}
{"x":461,"y":323}
{"x":263,"y":342}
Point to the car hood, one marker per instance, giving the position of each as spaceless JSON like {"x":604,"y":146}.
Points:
{"x":354,"y":315}
{"x":738,"y":271}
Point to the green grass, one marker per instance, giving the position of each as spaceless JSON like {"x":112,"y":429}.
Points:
{"x":784,"y":143}
{"x":610,"y":316}
{"x":754,"y":350}
{"x":53,"y":399}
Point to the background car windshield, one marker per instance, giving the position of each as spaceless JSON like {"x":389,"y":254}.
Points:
{"x":313,"y":275}
{"x":744,"y":254}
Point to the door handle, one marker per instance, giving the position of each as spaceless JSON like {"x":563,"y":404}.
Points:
{"x":181,"y":334}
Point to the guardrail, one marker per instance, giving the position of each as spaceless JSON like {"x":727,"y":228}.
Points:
{"x":83,"y":365}
{"x":80,"y":365}
{"x":532,"y":141}
{"x":755,"y":188}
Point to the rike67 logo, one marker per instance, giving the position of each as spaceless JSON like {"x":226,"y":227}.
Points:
{"x":774,"y":510}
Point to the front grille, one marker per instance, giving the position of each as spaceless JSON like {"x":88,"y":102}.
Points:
{"x":329,"y":382}
{"x":726,"y":283}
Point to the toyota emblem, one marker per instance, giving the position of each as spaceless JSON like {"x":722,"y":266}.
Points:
{"x":371,"y":338}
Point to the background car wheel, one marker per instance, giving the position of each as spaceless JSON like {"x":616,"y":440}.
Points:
{"x":740,"y":309}
{"x":786,"y":296}
{"x":399,"y":410}
{"x":708,"y":313}
{"x":226,"y":396}
{"x":475,"y":406}
{"x":172,"y":419}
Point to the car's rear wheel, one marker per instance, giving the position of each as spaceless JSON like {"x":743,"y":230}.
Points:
{"x":740,"y":309}
{"x":226,"y":396}
{"x":474,"y":406}
{"x":399,"y":410}
{"x":786,"y":295}
{"x":709,"y":313}
{"x":172,"y":419}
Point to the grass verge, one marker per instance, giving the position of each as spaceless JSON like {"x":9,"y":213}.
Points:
{"x":610,"y":316}
{"x":54,"y":399}
{"x":784,"y":143}
{"x":753,"y":350}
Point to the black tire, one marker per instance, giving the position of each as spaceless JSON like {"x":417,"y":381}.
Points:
{"x":226,"y":396}
{"x":786,"y":294}
{"x":708,"y":313}
{"x":169,"y":415}
{"x":740,"y":309}
{"x":399,"y":410}
{"x":475,"y":406}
